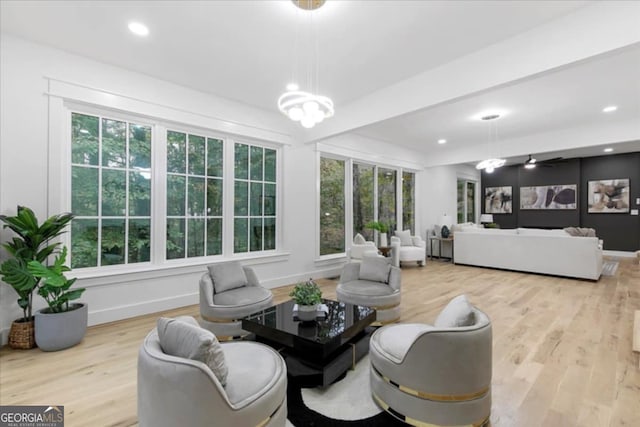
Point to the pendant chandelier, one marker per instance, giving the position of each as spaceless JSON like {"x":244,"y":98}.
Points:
{"x":306,"y":106}
{"x":491,"y":164}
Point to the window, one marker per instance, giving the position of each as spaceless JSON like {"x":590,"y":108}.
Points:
{"x":145,"y":193}
{"x":466,"y":201}
{"x":110,"y":191}
{"x":194,"y":195}
{"x":387,"y":197}
{"x":363,"y":199}
{"x":408,"y":201}
{"x":254,"y":198}
{"x":332,"y":213}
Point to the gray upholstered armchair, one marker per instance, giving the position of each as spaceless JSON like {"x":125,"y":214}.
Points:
{"x":229,"y":292}
{"x":180,"y":391}
{"x":372,"y":283}
{"x":437,"y":374}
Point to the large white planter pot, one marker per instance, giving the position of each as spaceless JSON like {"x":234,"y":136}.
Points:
{"x":57,"y":331}
{"x":307,"y":312}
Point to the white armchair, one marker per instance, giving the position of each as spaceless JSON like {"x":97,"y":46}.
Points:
{"x":408,"y":248}
{"x":361,"y":248}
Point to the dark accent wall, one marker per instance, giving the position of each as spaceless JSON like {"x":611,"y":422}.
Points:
{"x":620,"y":231}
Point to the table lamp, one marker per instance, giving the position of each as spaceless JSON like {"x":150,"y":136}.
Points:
{"x":486,"y":218}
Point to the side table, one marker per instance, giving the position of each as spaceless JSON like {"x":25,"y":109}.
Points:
{"x":440,"y":240}
{"x":385,"y":250}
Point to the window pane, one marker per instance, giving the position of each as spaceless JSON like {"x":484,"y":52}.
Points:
{"x":196,"y":155}
{"x":269,"y":165}
{"x":139,"y":194}
{"x":84,"y":139}
{"x":214,"y":157}
{"x":363,"y":199}
{"x":175,"y":195}
{"x":256,"y":163}
{"x":256,"y":198}
{"x":332,"y":233}
{"x":269,"y":234}
{"x":196,"y":197}
{"x":195,"y":237}
{"x":408,"y":204}
{"x":84,"y":191}
{"x":461,"y":210}
{"x":241,"y":161}
{"x":84,"y":243}
{"x":241,"y":198}
{"x":269,"y":199}
{"x":255,"y":234}
{"x":113,"y":233}
{"x":240,"y":243}
{"x":387,"y":197}
{"x":175,"y":238}
{"x":214,"y":236}
{"x":139,"y":232}
{"x":114,"y":192}
{"x":176,"y":152}
{"x":139,"y":147}
{"x":114,"y":143}
{"x":471,"y":205}
{"x":214,"y":197}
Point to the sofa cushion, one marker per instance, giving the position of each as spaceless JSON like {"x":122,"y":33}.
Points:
{"x":183,"y":339}
{"x":375,"y":269}
{"x":366,"y":288}
{"x":359,"y":239}
{"x":457,"y":313}
{"x":405,"y":237}
{"x":247,"y":295}
{"x":226,"y":276}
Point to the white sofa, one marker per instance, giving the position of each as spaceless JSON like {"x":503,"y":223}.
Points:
{"x":552,"y":252}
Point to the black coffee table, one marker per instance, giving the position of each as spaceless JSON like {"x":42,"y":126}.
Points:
{"x":317,"y":352}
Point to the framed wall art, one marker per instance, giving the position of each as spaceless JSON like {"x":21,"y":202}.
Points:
{"x":608,"y":196}
{"x":548,"y":197}
{"x":498,"y":200}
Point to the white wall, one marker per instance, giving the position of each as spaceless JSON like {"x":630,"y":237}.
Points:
{"x":25,"y":142}
{"x":439,"y":196}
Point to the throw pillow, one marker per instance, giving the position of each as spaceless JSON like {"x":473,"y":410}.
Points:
{"x":359,"y":239}
{"x":457,"y":313}
{"x":183,"y":339}
{"x":226,"y":276}
{"x":405,"y":237}
{"x":375,"y":269}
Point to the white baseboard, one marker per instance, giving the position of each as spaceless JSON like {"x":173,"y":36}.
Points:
{"x":294,"y":278}
{"x":4,"y":336}
{"x":621,"y":254}
{"x":141,"y":308}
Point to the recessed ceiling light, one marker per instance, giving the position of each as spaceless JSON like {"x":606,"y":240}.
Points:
{"x":292,"y":86}
{"x":139,"y":29}
{"x":608,"y":150}
{"x":490,"y":115}
{"x":610,"y":109}
{"x":442,"y":141}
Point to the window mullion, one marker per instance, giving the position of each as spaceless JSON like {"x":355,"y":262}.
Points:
{"x":159,"y":194}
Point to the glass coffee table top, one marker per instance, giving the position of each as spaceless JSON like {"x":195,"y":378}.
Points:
{"x":343,"y":322}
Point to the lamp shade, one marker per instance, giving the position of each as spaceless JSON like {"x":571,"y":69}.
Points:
{"x":486,"y":218}
{"x":445,"y":220}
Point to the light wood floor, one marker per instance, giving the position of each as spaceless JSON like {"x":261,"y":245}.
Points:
{"x":562,"y":350}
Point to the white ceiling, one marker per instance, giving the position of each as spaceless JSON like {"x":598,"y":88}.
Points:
{"x":244,"y":50}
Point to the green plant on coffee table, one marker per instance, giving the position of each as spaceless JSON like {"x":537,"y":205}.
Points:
{"x":378,"y":226}
{"x":54,"y":287}
{"x":31,"y":244}
{"x":306,"y":293}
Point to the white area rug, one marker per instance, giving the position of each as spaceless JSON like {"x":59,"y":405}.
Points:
{"x":348,"y":399}
{"x":609,"y":268}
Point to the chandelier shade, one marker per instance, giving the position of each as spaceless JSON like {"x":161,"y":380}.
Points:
{"x":305,"y":107}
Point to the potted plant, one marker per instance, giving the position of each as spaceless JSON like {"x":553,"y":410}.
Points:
{"x":381,"y":228}
{"x":30,"y":244}
{"x":61,"y":325}
{"x":308,"y":296}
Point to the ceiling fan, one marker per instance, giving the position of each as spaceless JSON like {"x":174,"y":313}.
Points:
{"x":531,"y":162}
